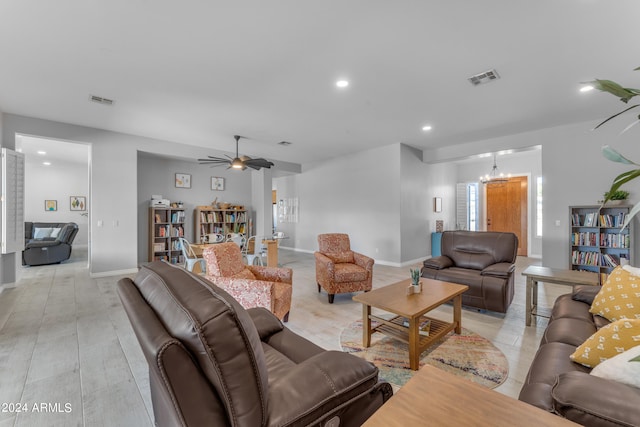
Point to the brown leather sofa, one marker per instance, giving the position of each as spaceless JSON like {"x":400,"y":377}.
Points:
{"x":213,"y":363}
{"x":482,"y":260}
{"x":559,"y":385}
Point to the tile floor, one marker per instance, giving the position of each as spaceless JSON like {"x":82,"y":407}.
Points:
{"x":69,"y":356}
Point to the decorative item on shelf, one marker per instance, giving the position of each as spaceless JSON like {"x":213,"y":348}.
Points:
{"x":439,"y":226}
{"x":416,"y":285}
{"x":615,"y":198}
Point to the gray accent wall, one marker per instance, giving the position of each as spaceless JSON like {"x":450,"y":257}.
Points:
{"x":156,"y":175}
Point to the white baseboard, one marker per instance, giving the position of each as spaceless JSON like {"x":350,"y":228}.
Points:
{"x":113,"y":273}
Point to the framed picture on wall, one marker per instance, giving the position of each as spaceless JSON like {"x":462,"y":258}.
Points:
{"x":217,"y":183}
{"x":78,"y":203}
{"x":50,"y":205}
{"x":183,"y":180}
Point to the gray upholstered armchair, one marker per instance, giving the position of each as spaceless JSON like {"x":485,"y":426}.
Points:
{"x":47,"y":242}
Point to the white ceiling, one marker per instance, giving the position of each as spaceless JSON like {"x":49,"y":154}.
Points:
{"x":199,"y":72}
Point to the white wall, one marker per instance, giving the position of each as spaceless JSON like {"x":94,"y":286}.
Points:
{"x":114,"y":176}
{"x":156,"y":176}
{"x":573,"y":170}
{"x":527,"y":163}
{"x":58,"y":182}
{"x":358,"y":194}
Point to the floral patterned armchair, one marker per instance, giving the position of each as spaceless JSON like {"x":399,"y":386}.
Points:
{"x":252,"y":286}
{"x":339,"y":269}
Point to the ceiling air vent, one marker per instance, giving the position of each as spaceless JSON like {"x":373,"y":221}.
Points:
{"x":285,"y":143}
{"x":485,"y":77}
{"x":100,"y":100}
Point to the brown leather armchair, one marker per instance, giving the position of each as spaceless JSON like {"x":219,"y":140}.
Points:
{"x":339,"y":269}
{"x":252,"y":286}
{"x":213,"y":363}
{"x":482,"y":260}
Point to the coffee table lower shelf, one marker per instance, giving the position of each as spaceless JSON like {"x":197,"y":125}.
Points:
{"x":394,"y":328}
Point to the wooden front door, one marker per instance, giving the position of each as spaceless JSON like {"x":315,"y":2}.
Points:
{"x":507,"y":209}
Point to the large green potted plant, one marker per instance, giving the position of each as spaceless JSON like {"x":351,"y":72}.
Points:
{"x":625,"y":94}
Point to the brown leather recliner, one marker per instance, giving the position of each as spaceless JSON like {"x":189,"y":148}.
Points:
{"x":213,"y":363}
{"x":482,"y":260}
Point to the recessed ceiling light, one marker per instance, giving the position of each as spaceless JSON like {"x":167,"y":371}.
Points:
{"x":42,"y":153}
{"x":46,"y":163}
{"x":426,"y":128}
{"x":342,"y":83}
{"x":586,"y":88}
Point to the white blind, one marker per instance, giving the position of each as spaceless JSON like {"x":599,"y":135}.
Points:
{"x":12,"y":201}
{"x":462,"y":209}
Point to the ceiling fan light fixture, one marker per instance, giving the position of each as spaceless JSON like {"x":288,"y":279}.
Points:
{"x":237,"y":163}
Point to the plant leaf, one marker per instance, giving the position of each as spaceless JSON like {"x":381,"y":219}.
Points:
{"x":633,"y":212}
{"x":613,"y":88}
{"x":616,"y":115}
{"x":612,"y":154}
{"x":635,"y":359}
{"x":621,"y":179}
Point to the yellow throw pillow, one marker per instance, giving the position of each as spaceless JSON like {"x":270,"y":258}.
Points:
{"x":619,"y":297}
{"x":608,"y":341}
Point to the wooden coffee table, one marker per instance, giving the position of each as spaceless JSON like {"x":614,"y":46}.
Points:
{"x":394,"y":299}
{"x":435,"y":397}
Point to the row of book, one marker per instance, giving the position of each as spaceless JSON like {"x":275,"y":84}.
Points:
{"x":178,"y":259}
{"x":594,"y":259}
{"x":163,"y":231}
{"x":592,"y":219}
{"x":607,"y":240}
{"x":177,"y":217}
{"x":222,"y":216}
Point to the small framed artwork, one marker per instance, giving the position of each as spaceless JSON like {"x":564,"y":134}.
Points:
{"x":183,"y":180}
{"x":217,"y":183}
{"x":437,"y":204}
{"x":78,"y":203}
{"x":50,"y":205}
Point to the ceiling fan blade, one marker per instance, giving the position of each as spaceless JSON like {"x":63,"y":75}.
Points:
{"x":259,"y":162}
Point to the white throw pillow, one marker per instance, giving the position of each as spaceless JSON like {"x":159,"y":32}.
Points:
{"x":618,"y":368}
{"x":41,"y":233}
{"x":55,"y":232}
{"x":632,"y":270}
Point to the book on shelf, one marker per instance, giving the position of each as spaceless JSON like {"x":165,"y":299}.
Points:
{"x":423,"y":328}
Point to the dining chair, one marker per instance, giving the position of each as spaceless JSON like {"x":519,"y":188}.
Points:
{"x":254,"y":250}
{"x":190,"y":257}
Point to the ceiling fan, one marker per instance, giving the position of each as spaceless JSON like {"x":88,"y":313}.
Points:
{"x":238,"y":162}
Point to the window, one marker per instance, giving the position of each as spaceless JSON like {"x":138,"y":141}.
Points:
{"x":539,"y":206}
{"x":467,"y":204}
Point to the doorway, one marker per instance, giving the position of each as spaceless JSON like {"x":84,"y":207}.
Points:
{"x":58,"y":172}
{"x":507,"y":209}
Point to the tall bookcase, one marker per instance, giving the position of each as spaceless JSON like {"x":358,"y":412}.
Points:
{"x":597,"y":239}
{"x":223,"y":221}
{"x":166,"y":226}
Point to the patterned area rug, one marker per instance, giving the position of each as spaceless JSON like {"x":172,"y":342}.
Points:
{"x":467,"y":355}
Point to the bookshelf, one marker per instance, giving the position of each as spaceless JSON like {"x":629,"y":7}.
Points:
{"x":207,"y":220}
{"x":166,"y":226}
{"x":597,"y":240}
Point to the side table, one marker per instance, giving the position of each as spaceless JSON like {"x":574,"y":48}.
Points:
{"x":536,"y":273}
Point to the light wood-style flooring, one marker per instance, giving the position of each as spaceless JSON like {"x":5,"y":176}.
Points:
{"x":66,"y":343}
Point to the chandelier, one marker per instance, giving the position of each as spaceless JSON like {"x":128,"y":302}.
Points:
{"x":494,"y":177}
